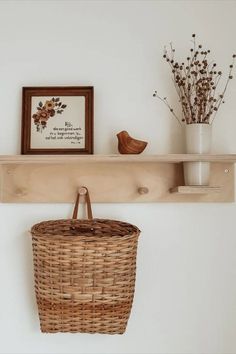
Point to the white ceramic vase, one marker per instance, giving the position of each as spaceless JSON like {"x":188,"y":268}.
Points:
{"x":198,"y":141}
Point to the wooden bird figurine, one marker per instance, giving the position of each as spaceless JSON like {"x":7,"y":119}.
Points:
{"x":129,"y":145}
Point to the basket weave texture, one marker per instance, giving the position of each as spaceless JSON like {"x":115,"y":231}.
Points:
{"x":84,"y":274}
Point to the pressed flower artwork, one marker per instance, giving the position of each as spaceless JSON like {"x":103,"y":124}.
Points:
{"x":57,"y":120}
{"x":46,"y":111}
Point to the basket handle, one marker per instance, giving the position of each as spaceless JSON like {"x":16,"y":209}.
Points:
{"x":83,"y":191}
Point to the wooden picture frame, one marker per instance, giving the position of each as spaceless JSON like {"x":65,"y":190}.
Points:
{"x":57,"y":120}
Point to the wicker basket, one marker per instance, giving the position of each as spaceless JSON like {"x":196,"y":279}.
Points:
{"x":84,"y":273}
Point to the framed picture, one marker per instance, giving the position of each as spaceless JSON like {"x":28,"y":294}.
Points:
{"x":57,"y":120}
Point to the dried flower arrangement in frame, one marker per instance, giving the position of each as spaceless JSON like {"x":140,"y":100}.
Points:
{"x":57,"y":120}
{"x":197,"y":84}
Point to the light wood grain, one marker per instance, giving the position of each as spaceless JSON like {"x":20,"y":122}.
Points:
{"x":66,"y":159}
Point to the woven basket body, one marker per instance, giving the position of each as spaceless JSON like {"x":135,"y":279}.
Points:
{"x":84,"y":274}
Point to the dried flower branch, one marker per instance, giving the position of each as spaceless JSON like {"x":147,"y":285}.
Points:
{"x":164,"y":99}
{"x":196,"y":82}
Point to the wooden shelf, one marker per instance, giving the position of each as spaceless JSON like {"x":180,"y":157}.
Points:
{"x":195,"y":190}
{"x":112,"y":178}
{"x":169,"y":158}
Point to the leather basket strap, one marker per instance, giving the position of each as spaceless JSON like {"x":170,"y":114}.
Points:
{"x":83,"y":191}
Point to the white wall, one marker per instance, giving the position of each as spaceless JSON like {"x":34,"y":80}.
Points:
{"x":185,"y":298}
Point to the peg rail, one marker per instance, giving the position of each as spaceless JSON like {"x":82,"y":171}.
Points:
{"x":112,"y":178}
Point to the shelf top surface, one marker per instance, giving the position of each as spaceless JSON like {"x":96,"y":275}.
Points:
{"x":169,"y":158}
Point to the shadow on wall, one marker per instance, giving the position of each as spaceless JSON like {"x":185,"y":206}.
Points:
{"x":27,"y":262}
{"x":174,"y":137}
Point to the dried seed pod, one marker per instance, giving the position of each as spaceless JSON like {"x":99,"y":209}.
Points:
{"x":196,"y":82}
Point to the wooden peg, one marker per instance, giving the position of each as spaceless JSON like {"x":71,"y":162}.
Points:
{"x":143,"y":190}
{"x":82,"y":191}
{"x":20,"y":192}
